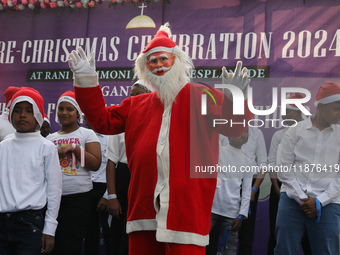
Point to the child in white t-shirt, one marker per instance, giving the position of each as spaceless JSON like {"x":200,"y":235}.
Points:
{"x":233,"y":190}
{"x":29,"y":178}
{"x":79,"y":153}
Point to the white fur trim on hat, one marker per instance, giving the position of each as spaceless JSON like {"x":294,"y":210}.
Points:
{"x":159,"y":49}
{"x":36,"y":112}
{"x":292,"y":107}
{"x":328,"y":100}
{"x":47,"y":120}
{"x":70,"y":100}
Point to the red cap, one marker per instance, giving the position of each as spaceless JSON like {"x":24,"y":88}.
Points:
{"x":69,"y":97}
{"x":9,"y":92}
{"x":33,"y":97}
{"x":328,"y":93}
{"x":161,"y":41}
{"x":293,"y":96}
{"x":47,"y":119}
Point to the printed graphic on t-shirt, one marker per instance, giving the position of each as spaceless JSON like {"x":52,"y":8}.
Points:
{"x":66,"y":162}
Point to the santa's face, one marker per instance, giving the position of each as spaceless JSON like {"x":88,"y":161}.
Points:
{"x":160,"y":62}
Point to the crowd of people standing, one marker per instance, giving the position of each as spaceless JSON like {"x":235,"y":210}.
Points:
{"x":136,"y":183}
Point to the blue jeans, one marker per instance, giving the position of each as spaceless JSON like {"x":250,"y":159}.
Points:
{"x":21,"y":232}
{"x":291,"y":223}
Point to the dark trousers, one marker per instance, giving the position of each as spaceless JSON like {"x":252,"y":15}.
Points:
{"x":97,"y":219}
{"x":273,"y":206}
{"x":73,"y":222}
{"x":21,"y":232}
{"x":246,"y":233}
{"x":214,"y":236}
{"x":118,"y":238}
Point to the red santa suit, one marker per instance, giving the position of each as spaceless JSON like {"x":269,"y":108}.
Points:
{"x":164,"y":145}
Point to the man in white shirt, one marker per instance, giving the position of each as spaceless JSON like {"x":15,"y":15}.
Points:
{"x":293,"y":115}
{"x":232,"y":196}
{"x":118,"y":176}
{"x":256,"y":150}
{"x":310,"y":192}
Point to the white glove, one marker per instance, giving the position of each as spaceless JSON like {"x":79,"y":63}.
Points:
{"x":83,"y":68}
{"x":239,"y":78}
{"x":81,"y":64}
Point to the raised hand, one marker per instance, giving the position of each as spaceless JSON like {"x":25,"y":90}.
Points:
{"x":80,"y":64}
{"x":239,"y":78}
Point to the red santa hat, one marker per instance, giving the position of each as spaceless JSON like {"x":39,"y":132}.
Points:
{"x":161,"y":41}
{"x":293,"y":96}
{"x":33,"y":97}
{"x":9,"y":92}
{"x":328,"y":93}
{"x":47,"y":119}
{"x":70,"y":97}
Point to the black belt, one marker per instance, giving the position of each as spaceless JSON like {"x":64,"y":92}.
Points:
{"x":21,"y":213}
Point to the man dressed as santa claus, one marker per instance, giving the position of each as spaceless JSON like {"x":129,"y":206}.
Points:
{"x":167,"y":137}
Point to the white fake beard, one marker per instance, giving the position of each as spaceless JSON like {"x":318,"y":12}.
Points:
{"x":170,"y":84}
